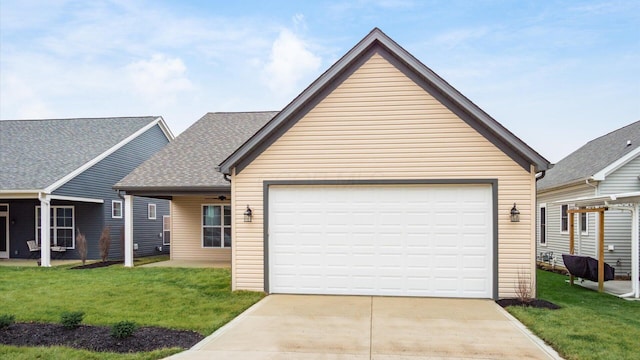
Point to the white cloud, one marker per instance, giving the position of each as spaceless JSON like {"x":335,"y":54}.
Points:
{"x":291,"y":64}
{"x":24,"y":100}
{"x":159,"y":79}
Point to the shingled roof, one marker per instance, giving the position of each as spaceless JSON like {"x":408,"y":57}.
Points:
{"x":189,"y":162}
{"x":593,"y":157}
{"x":34,"y":154}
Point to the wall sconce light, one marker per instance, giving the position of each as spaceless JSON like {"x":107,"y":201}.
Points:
{"x":222,"y":198}
{"x":515,"y":214}
{"x":248,"y":214}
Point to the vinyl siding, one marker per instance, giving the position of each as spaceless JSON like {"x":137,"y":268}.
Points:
{"x":379,"y":124}
{"x":618,"y":223}
{"x":97,"y":182}
{"x":186,"y":230}
{"x":558,"y":241}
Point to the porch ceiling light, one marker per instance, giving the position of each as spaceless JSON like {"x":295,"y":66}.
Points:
{"x":515,"y":214}
{"x":248,"y":214}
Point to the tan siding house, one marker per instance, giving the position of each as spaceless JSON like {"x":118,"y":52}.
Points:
{"x":378,"y":179}
{"x":186,"y":229}
{"x":375,"y":124}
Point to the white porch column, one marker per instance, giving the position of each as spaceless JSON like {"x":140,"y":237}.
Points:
{"x":128,"y":231}
{"x":45,"y":239}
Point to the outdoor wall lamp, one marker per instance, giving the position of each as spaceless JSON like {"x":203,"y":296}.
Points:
{"x":248,"y":214}
{"x":515,"y":214}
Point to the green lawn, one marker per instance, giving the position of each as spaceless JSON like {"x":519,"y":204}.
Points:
{"x":589,"y":325}
{"x":178,"y":298}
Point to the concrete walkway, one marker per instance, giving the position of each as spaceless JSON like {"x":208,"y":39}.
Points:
{"x":190,"y":264}
{"x":363,"y":327}
{"x":34,"y":262}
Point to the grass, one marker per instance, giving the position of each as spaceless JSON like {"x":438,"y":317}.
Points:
{"x":177,"y":298}
{"x":590,"y":325}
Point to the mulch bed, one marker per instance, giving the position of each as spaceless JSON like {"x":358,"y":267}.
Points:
{"x":97,"y":338}
{"x":98,"y":264}
{"x":536,"y":303}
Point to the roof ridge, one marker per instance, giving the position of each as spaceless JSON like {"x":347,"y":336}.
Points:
{"x":243,"y":112}
{"x":87,"y":118}
{"x":612,"y":131}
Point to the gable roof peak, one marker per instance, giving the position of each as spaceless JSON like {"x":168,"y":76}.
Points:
{"x":458,"y":103}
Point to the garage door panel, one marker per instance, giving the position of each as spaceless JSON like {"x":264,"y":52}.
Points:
{"x":381,"y":240}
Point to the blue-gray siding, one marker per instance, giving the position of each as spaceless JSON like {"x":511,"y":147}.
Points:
{"x":97,"y":182}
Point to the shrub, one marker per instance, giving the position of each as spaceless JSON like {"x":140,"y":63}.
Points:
{"x":524,"y":287}
{"x":6,"y":320}
{"x":71,"y":319}
{"x":81,"y":243}
{"x":105,"y":242}
{"x":123,"y":329}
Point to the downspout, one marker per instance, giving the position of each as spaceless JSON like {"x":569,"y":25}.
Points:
{"x":226,"y":177}
{"x":542,"y":174}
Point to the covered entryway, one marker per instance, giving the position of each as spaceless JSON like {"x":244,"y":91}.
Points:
{"x":382,"y":239}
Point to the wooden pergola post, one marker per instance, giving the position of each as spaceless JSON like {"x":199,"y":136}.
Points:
{"x":600,"y":212}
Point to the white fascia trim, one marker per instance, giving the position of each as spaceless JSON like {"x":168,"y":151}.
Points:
{"x":602,"y":174}
{"x":100,"y":157}
{"x":76,"y":198}
{"x":165,"y":129}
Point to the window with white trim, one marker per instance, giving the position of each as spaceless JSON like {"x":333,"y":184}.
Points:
{"x":62,"y":223}
{"x":151,"y":211}
{"x":116,"y":209}
{"x":543,"y":225}
{"x":216,"y":226}
{"x":584,"y":223}
{"x":564,"y":218}
{"x":166,"y":230}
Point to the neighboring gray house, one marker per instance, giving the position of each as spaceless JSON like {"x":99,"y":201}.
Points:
{"x":70,"y":167}
{"x":185,"y":171}
{"x":607,"y":165}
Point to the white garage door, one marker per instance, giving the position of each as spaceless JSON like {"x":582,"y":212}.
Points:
{"x":407,"y":240}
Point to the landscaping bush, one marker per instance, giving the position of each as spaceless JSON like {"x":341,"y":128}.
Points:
{"x":81,"y":244}
{"x":105,"y":242}
{"x":6,"y":320}
{"x":123,"y":329}
{"x":71,"y":319}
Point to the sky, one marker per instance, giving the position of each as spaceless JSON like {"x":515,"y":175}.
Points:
{"x":555,"y":73}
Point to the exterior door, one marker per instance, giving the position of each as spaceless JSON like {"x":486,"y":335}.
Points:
{"x":4,"y":231}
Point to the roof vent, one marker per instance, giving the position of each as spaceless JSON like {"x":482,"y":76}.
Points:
{"x":628,"y":142}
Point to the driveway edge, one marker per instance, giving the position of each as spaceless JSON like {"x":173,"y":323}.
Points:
{"x":535,"y":339}
{"x":223,"y":329}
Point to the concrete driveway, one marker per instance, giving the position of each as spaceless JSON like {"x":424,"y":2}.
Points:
{"x":364,"y":327}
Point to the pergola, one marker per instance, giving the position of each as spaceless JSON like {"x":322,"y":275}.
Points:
{"x":624,"y":201}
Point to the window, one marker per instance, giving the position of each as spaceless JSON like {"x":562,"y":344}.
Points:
{"x":216,"y":226}
{"x":116,"y":209}
{"x":151,"y":211}
{"x":61,"y":221}
{"x":166,"y":230}
{"x":584,"y":223}
{"x":564,"y":218}
{"x":543,"y":225}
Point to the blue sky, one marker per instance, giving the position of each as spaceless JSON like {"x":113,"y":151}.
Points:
{"x":556,"y":73}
